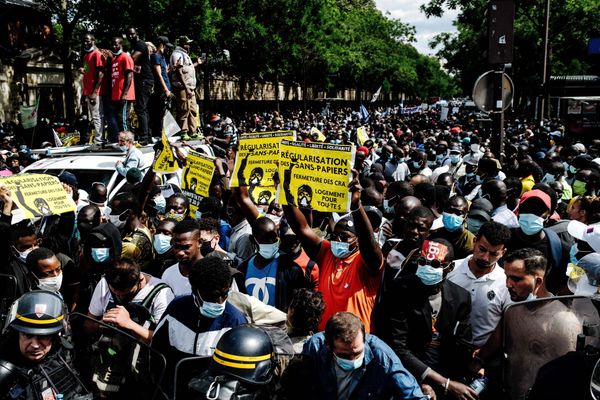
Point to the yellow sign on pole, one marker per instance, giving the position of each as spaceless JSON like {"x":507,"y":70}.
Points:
{"x":165,"y":160}
{"x":361,"y":135}
{"x":315,"y":175}
{"x":38,"y":195}
{"x":320,"y":136}
{"x":256,"y":159}
{"x":197,"y":176}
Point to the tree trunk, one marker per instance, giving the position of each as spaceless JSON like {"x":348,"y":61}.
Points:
{"x":206,"y":83}
{"x":277,"y":92}
{"x":68,"y":76}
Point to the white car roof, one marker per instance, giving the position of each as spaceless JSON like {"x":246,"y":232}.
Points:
{"x":84,"y":162}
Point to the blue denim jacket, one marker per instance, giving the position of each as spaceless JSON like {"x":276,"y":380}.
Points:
{"x":383,"y":375}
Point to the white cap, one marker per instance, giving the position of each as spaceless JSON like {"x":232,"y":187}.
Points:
{"x":587,"y":233}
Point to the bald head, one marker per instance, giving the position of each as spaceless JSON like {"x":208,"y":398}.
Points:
{"x":418,"y":179}
{"x":496,"y":191}
{"x":405,"y":205}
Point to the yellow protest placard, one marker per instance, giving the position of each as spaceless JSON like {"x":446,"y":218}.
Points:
{"x":165,"y":160}
{"x":315,"y":175}
{"x":255,"y":161}
{"x":38,"y":195}
{"x":361,"y":135}
{"x":320,"y":136}
{"x":197,"y":176}
{"x":263,"y":195}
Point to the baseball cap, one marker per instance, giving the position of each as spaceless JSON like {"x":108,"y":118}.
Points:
{"x":586,"y":233}
{"x":164,"y":40}
{"x":68,"y":178}
{"x":455,"y":149}
{"x":481,"y":209}
{"x":347,"y":222}
{"x":536,"y":193}
{"x":184,"y":40}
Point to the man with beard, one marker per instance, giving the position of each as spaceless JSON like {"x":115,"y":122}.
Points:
{"x":484,"y":279}
{"x":427,"y":322}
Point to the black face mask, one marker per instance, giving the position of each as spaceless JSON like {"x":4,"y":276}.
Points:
{"x":206,"y":248}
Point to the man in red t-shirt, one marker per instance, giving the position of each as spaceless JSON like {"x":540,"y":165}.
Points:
{"x":93,"y":75}
{"x":122,"y":82}
{"x":350,"y":264}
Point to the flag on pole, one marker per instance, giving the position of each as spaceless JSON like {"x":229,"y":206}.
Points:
{"x":29,"y":115}
{"x":364,"y":114}
{"x":57,"y":141}
{"x":376,"y":95}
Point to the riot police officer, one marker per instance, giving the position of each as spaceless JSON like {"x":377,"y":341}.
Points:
{"x":35,"y":362}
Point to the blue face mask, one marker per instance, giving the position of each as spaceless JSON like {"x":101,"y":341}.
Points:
{"x":101,"y":254}
{"x":454,"y":159}
{"x":268,"y":251}
{"x":473,"y":225}
{"x":470,"y":174}
{"x":211,"y":310}
{"x":452,"y":222}
{"x":531,"y":224}
{"x":350,"y":365}
{"x":162,"y":243}
{"x":340,"y":249}
{"x":440,"y":157}
{"x":429,"y":275}
{"x":160,"y":203}
{"x":417,"y":164}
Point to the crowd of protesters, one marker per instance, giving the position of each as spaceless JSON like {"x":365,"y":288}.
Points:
{"x":409,"y":286}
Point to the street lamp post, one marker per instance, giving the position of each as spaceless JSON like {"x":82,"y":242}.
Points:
{"x":545,"y":61}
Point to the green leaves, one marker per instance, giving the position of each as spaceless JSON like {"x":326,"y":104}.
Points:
{"x":323,"y":44}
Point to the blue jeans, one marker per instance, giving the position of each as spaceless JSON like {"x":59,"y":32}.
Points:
{"x":110,"y":117}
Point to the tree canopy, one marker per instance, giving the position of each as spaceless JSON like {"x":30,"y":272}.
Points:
{"x":572,"y":24}
{"x":324,"y":44}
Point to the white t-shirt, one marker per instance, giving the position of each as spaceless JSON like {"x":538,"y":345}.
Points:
{"x":180,"y":284}
{"x":489,"y":297}
{"x":102,"y":297}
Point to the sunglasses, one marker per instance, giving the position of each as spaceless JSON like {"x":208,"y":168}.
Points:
{"x":422,"y":261}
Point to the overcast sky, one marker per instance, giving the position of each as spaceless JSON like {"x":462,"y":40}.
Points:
{"x":408,"y":12}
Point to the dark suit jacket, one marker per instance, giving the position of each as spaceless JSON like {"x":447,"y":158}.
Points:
{"x":409,"y":327}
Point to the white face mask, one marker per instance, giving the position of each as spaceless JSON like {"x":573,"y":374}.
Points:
{"x":22,"y":255}
{"x":474,"y":148}
{"x":116,"y":220}
{"x":52,"y":284}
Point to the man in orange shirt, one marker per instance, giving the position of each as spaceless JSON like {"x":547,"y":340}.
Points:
{"x":122,"y":82}
{"x":350,"y":264}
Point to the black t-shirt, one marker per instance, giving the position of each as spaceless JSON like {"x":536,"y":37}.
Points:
{"x":555,"y":277}
{"x":142,"y":64}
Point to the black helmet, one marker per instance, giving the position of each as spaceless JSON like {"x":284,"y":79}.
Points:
{"x":246,"y":353}
{"x":37,"y":313}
